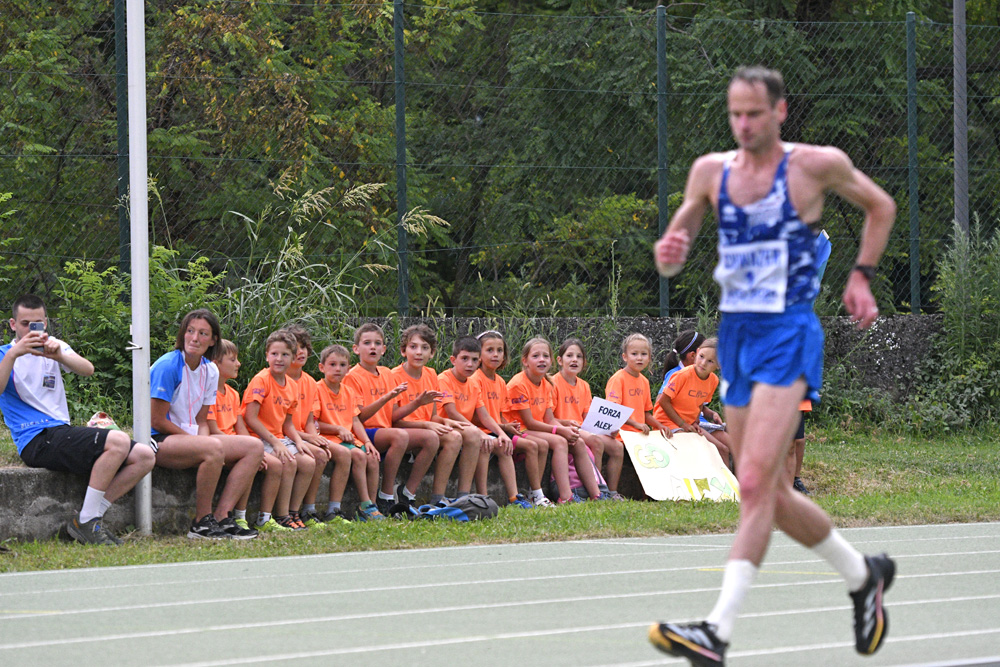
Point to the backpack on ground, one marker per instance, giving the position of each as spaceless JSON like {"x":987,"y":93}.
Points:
{"x":470,"y":507}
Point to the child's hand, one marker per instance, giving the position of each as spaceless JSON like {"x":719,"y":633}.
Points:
{"x":440,"y":429}
{"x":263,"y":465}
{"x":428,"y":397}
{"x":644,"y":428}
{"x":282,"y":453}
{"x":486,"y":443}
{"x":504,"y":445}
{"x":372,"y":452}
{"x":511,"y":426}
{"x":712,"y":416}
{"x":457,"y":425}
{"x":689,"y":428}
{"x":346,"y":436}
{"x":666,"y":433}
{"x":397,"y":390}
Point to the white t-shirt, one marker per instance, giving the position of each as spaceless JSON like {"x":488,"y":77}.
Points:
{"x":35,"y":398}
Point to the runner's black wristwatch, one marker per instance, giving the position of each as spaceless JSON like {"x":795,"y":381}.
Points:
{"x":866,"y":270}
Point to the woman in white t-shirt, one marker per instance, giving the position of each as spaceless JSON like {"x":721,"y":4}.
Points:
{"x":183,"y":384}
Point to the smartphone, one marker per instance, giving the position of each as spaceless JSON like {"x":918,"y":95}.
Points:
{"x":37,"y":326}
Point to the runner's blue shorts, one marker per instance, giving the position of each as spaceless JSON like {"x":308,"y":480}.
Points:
{"x":772,"y":348}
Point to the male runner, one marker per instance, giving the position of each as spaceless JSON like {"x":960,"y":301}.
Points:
{"x":768,"y":197}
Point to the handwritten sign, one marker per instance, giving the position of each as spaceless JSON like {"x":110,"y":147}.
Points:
{"x":605,"y":417}
{"x":686,"y":467}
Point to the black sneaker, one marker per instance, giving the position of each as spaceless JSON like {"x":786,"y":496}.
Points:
{"x":401,"y":496}
{"x":235,"y":531}
{"x":800,"y":487}
{"x":207,"y":528}
{"x":871,"y":622}
{"x":695,"y":641}
{"x":383,"y":504}
{"x":91,"y":532}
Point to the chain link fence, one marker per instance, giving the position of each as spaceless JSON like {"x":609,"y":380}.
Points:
{"x":534,"y":137}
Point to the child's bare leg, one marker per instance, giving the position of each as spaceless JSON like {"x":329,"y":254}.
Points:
{"x":483,"y":471}
{"x":615,"y":451}
{"x":560,"y":461}
{"x":283,"y":498}
{"x":449,"y":449}
{"x":321,"y":457}
{"x":427,"y":442}
{"x":343,"y":459}
{"x":532,"y":456}
{"x":372,"y":466}
{"x":242,"y":454}
{"x":358,"y":473}
{"x":506,"y":465}
{"x":468,"y":459}
{"x":305,"y":467}
{"x":719,"y":445}
{"x":584,"y":468}
{"x":269,"y":486}
{"x":392,"y":443}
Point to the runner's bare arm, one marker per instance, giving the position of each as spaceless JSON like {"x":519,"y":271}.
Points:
{"x":671,"y":251}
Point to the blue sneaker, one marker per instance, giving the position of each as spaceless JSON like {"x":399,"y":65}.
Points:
{"x":521,"y":501}
{"x":369,"y":512}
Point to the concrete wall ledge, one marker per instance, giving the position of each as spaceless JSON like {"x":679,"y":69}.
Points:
{"x":36,"y":504}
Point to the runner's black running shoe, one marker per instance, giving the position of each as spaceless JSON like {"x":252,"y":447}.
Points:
{"x":695,"y":641}
{"x":871,"y":623}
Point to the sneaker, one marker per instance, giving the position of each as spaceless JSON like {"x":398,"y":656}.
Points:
{"x":369,"y":512}
{"x":870,"y":619}
{"x":695,"y":641}
{"x":207,"y":528}
{"x":605,"y":495}
{"x":271,"y":526}
{"x":402,"y":497}
{"x":289,"y":522}
{"x":383,"y":505}
{"x":91,"y":532}
{"x":570,"y":501}
{"x":520,"y":501}
{"x":236,"y":531}
{"x":311,"y":520}
{"x":339,"y":516}
{"x":617,"y":496}
{"x":542,"y":502}
{"x":800,"y":487}
{"x":242,"y":523}
{"x":444,"y":502}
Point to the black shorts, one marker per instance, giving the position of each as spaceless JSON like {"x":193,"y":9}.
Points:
{"x":72,"y":449}
{"x":801,"y":432}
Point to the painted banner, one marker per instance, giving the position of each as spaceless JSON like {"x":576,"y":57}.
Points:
{"x":605,"y":417}
{"x":685,"y":467}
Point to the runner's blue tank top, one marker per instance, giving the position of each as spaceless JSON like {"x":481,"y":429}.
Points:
{"x":766,"y":253}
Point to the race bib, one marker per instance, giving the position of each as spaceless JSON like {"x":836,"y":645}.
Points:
{"x":753,"y":277}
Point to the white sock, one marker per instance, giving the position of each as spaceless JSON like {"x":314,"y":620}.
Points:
{"x":386,"y":496}
{"x":263,"y":517}
{"x":105,"y":504}
{"x":844,"y":558}
{"x":736,"y":582}
{"x":333,"y":506}
{"x":536,"y":494}
{"x":240,"y":514}
{"x":91,"y":504}
{"x":407,"y":493}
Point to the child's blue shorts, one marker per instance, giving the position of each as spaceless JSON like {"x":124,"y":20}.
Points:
{"x":772,"y":348}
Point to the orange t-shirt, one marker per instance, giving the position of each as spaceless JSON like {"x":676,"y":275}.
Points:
{"x":633,"y":392}
{"x":805,"y":406}
{"x":308,"y":402}
{"x":226,"y":410}
{"x":493,"y":394}
{"x":276,"y":401}
{"x":338,"y":409}
{"x":687,"y":393}
{"x":368,"y":388}
{"x":523,"y":394}
{"x":570,"y":402}
{"x":428,"y":382}
{"x":465,"y":395}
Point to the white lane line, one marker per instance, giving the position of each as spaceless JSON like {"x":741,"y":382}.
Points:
{"x":242,"y":577}
{"x":674,"y":540}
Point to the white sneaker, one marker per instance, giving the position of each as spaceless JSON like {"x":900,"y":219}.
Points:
{"x":542,"y":502}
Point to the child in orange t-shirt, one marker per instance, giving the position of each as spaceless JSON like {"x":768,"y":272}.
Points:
{"x":316,"y":446}
{"x":339,"y":423}
{"x":268,"y":404}
{"x":572,"y":402}
{"x":226,"y":418}
{"x":493,"y":391}
{"x":629,"y":387}
{"x":530,"y":393}
{"x":416,"y":411}
{"x":687,"y":393}
{"x":462,"y":403}
{"x":377,"y":390}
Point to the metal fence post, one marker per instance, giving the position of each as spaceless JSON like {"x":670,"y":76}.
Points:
{"x":662,"y":181}
{"x":404,"y":278}
{"x":961,"y":117}
{"x":121,"y":108}
{"x":911,"y":128}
